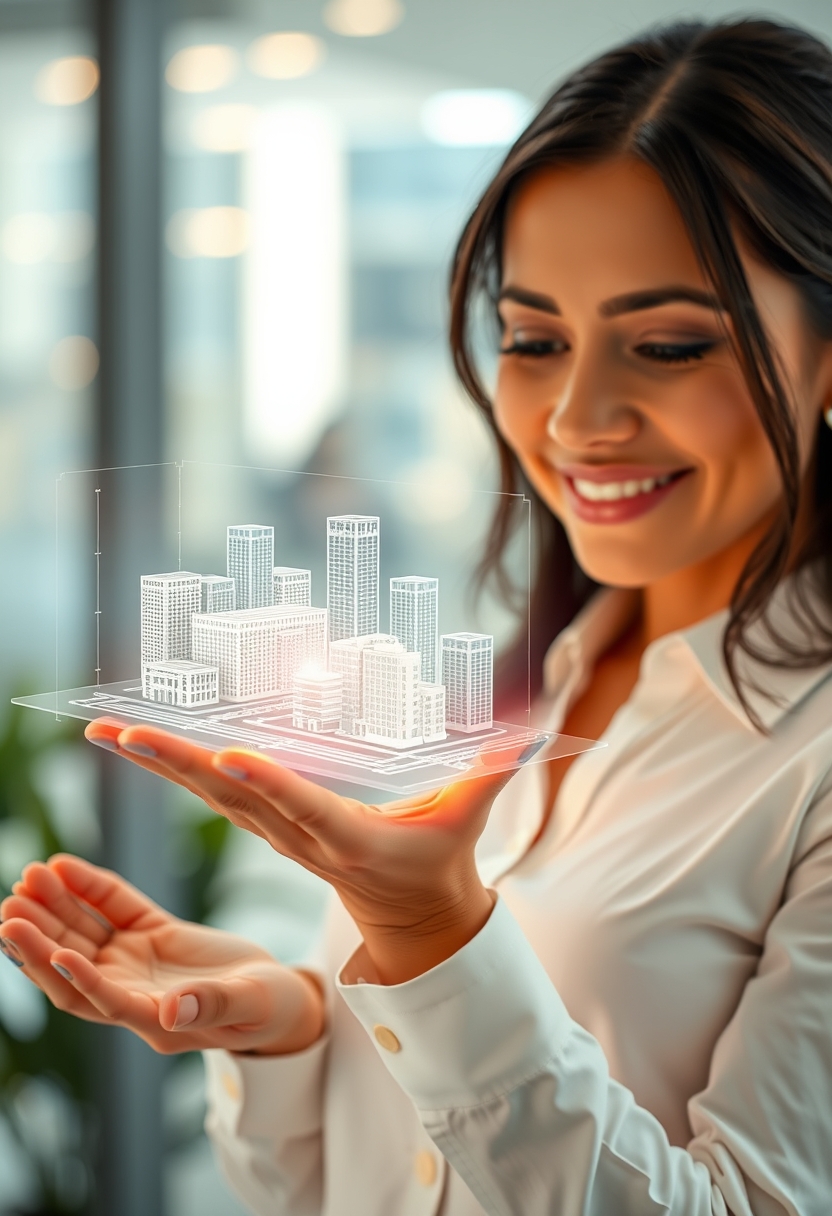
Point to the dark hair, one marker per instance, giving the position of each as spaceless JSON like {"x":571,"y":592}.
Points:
{"x":736,"y":118}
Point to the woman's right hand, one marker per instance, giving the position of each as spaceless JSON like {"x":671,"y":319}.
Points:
{"x":101,"y":950}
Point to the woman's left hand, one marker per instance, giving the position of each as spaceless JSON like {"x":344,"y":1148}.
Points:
{"x":405,"y":872}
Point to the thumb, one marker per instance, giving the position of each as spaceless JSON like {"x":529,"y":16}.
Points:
{"x":213,"y":1003}
{"x":473,"y":796}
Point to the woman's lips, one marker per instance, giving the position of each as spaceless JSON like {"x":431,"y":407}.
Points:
{"x":616,"y":495}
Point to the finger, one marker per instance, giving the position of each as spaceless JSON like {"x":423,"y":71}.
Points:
{"x":210,"y":1004}
{"x":46,"y":886}
{"x":128,"y":1007}
{"x":321,"y":814}
{"x":108,"y":894}
{"x":20,"y":907}
{"x":31,"y":951}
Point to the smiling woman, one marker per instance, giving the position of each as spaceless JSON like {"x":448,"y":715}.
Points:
{"x":603,"y":985}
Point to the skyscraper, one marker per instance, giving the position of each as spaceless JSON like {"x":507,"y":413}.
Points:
{"x":390,"y":692}
{"x":414,"y":618}
{"x":292,"y":586}
{"x":168,"y":601}
{"x":251,"y":564}
{"x":467,"y":663}
{"x":218,"y":594}
{"x":352,"y":586}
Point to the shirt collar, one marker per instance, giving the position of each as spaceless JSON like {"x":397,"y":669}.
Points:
{"x":571,"y":657}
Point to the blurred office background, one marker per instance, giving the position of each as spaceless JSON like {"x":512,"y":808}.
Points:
{"x":225,"y":228}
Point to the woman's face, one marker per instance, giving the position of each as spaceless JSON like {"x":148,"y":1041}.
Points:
{"x":617,"y":386}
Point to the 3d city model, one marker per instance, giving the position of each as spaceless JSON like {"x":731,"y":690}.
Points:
{"x":254,"y":634}
{"x":245,"y":659}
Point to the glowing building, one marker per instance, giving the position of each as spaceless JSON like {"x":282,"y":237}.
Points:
{"x":168,"y":601}
{"x":251,"y":564}
{"x":352,"y":575}
{"x":316,"y":701}
{"x":467,"y":673}
{"x":414,"y":618}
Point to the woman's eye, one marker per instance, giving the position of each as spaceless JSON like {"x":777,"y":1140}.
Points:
{"x":536,"y":347}
{"x":674,"y":352}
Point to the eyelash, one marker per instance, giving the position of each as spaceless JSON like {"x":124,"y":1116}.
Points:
{"x":659,"y":352}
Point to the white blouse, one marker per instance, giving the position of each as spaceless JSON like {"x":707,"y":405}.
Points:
{"x":643,"y":1026}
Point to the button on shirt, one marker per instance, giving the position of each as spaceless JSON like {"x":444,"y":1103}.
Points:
{"x":644,"y":1025}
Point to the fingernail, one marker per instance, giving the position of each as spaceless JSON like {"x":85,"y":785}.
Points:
{"x":231,"y":770}
{"x":531,"y":750}
{"x":10,"y":950}
{"x":140,"y":749}
{"x":186,"y":1011}
{"x":104,"y":741}
{"x":64,"y":972}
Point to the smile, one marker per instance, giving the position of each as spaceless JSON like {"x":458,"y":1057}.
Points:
{"x":611,"y":496}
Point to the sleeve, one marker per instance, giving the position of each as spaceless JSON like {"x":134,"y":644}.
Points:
{"x":519,"y":1098}
{"x":265,"y":1123}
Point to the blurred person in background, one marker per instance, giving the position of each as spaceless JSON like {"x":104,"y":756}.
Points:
{"x":604,"y":985}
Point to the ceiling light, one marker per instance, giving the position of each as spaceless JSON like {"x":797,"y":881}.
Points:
{"x":73,"y":363}
{"x":201,"y":69}
{"x":363,"y":18}
{"x":224,"y":128}
{"x":469,"y":117}
{"x":67,"y":81}
{"x":285,"y":56}
{"x":208,"y":232}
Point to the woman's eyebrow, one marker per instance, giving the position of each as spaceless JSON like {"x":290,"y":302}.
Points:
{"x":631,"y":301}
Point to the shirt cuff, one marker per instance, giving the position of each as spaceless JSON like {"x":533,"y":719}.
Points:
{"x":469,"y":1030}
{"x":248,"y":1095}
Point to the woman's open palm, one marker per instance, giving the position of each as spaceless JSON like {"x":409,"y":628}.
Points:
{"x":101,"y":950}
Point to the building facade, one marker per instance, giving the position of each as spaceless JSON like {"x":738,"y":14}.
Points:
{"x":219,"y":594}
{"x":292,"y":586}
{"x":414,"y":618}
{"x":390,"y":693}
{"x":181,"y":682}
{"x":432,"y":712}
{"x":345,"y":657}
{"x":352,"y":575}
{"x":168,"y":602}
{"x":316,"y":701}
{"x":467,"y":673}
{"x":251,"y":565}
{"x":259,"y":650}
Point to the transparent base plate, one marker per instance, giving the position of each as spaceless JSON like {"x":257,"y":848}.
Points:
{"x":266,"y":726}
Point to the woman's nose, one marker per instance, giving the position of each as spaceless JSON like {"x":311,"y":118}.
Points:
{"x":593,"y":406}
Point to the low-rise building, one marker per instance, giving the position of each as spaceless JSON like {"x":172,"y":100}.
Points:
{"x":181,"y":682}
{"x":219,"y":594}
{"x":316,"y":701}
{"x":258,"y":650}
{"x":292,"y":585}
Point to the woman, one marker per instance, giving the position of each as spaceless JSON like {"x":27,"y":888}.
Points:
{"x":626,"y":1007}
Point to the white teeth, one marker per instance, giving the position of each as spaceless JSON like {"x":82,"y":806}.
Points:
{"x":611,"y":491}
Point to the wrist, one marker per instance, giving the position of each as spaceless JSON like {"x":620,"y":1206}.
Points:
{"x":401,"y":953}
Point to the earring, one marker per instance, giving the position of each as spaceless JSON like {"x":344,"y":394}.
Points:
{"x":827,"y":417}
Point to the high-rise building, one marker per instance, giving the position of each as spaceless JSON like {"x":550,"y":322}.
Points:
{"x":390,"y":693}
{"x":292,"y":586}
{"x":345,"y":657}
{"x":316,"y":701}
{"x":432,"y":712}
{"x":467,"y":673}
{"x":168,"y":601}
{"x":414,"y":618}
{"x":251,"y":564}
{"x":181,"y":682}
{"x":258,"y":650}
{"x":352,"y":574}
{"x":218,"y":594}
